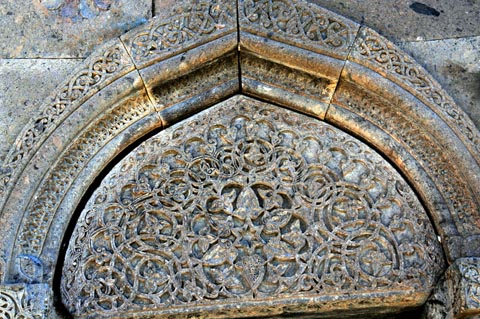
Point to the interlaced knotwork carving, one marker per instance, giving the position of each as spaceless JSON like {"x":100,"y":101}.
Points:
{"x":17,"y":302}
{"x":470,"y":283}
{"x":424,"y":147}
{"x":246,"y":202}
{"x":62,"y":174}
{"x":186,"y":25}
{"x":98,"y":71}
{"x":300,"y":20}
{"x":390,"y":60}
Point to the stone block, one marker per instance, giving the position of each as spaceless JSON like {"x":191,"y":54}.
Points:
{"x":458,"y":293}
{"x":456,"y":65}
{"x":24,"y":84}
{"x":406,"y":20}
{"x":25,"y":301}
{"x":61,"y":28}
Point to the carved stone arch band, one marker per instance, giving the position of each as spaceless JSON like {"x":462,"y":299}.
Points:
{"x":300,"y":188}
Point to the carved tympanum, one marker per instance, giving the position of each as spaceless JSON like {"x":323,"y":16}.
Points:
{"x":245,"y":202}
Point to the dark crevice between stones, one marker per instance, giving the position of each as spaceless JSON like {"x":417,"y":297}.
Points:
{"x":238,"y":49}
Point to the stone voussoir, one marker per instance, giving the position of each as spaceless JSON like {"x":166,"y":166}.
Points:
{"x":382,"y":56}
{"x":109,"y":63}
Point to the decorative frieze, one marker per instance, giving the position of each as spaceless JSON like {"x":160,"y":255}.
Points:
{"x":98,"y":70}
{"x":378,"y":53}
{"x":61,"y":176}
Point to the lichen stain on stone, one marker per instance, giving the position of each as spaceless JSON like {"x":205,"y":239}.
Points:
{"x":422,"y":8}
{"x":78,"y":9}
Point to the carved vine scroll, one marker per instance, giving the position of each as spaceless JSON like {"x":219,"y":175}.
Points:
{"x":245,"y":202}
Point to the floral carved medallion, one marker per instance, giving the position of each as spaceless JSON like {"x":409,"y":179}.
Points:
{"x":240,"y":204}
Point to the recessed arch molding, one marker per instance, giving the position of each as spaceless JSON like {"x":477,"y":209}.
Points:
{"x":197,"y":54}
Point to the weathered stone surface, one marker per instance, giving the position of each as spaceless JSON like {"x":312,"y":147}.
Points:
{"x":287,"y":75}
{"x":66,"y":155}
{"x":24,"y":84}
{"x":457,"y":294}
{"x":456,"y":65}
{"x":181,"y":27}
{"x":298,"y":23}
{"x":402,"y":20}
{"x":287,"y":57}
{"x":25,"y":301}
{"x":106,"y":65}
{"x":64,"y":28}
{"x":382,"y":56}
{"x":375,"y":101}
{"x":244,"y":206}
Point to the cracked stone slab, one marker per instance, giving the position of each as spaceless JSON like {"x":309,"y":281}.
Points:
{"x":62,"y":28}
{"x":456,"y":65}
{"x":24,"y":84}
{"x":404,"y":20}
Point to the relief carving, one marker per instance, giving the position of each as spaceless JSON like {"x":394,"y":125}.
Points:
{"x":294,"y":80}
{"x":24,"y":302}
{"x":58,"y":180}
{"x":425,"y":149}
{"x":298,"y":20}
{"x":186,"y":25}
{"x":99,"y":71}
{"x":470,"y":272}
{"x":247,"y":202}
{"x":457,"y":295}
{"x":390,"y":60}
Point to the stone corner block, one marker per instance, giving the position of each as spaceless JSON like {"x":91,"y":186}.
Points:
{"x":458,"y":293}
{"x":25,"y":301}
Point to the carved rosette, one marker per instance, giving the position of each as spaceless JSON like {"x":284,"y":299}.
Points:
{"x":246,"y":202}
